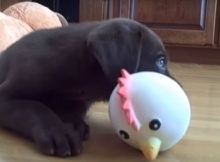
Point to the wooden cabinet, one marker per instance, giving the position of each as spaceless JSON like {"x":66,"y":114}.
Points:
{"x":182,"y":24}
{"x":93,"y":10}
{"x":176,"y":21}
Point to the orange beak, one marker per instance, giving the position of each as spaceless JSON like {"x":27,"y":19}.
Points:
{"x":150,"y":148}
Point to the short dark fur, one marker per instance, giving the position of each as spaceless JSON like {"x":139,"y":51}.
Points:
{"x":49,"y":78}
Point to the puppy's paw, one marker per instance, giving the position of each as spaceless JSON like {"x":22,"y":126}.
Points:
{"x":58,"y":141}
{"x":82,"y":128}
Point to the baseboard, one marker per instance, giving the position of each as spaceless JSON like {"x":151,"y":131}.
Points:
{"x":194,"y":54}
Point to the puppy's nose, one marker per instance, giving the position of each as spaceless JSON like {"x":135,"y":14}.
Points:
{"x":169,"y":75}
{"x":176,"y":81}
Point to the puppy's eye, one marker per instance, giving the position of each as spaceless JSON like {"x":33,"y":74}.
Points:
{"x":161,"y":62}
{"x":124,"y":134}
{"x":155,"y":124}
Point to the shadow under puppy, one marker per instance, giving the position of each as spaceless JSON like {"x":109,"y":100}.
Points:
{"x":49,"y":78}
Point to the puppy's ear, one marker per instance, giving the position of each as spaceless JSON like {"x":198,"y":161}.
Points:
{"x":116,"y":45}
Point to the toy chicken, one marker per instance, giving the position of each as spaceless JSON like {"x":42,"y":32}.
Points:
{"x":149,"y":111}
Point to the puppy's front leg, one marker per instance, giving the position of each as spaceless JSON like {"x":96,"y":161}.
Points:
{"x":72,"y":113}
{"x":37,"y":122}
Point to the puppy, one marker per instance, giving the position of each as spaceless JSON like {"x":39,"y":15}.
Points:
{"x":49,"y":78}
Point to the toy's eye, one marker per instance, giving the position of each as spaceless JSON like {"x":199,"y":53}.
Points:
{"x":124,"y":134}
{"x":155,"y":124}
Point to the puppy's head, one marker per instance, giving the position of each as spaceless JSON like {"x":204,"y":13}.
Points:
{"x":123,"y":43}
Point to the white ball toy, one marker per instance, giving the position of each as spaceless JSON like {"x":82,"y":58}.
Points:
{"x":149,"y":111}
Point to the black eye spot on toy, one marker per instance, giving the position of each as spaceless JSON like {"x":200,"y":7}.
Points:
{"x":155,"y":124}
{"x":124,"y":134}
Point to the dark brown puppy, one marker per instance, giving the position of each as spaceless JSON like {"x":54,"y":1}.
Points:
{"x":49,"y":78}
